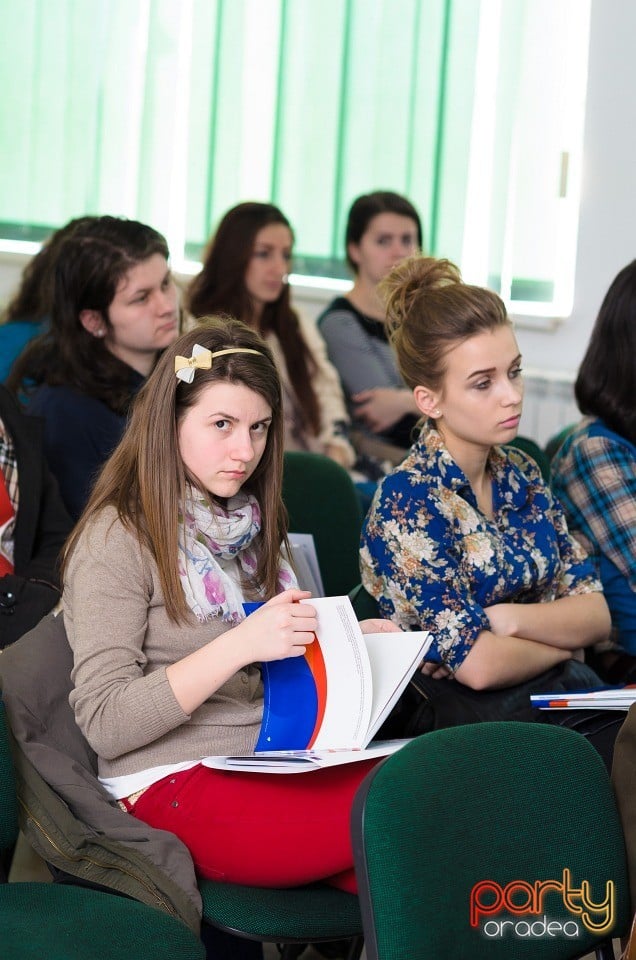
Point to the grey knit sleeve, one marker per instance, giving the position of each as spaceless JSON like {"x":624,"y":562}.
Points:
{"x":363,"y":361}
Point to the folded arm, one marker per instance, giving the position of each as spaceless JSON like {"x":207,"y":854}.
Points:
{"x":381,"y":407}
{"x":496,"y":661}
{"x":569,"y":622}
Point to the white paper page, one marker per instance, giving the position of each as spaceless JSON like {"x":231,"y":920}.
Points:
{"x":616,"y":698}
{"x":301,"y":761}
{"x":349,"y":682}
{"x":394,"y":658}
{"x":305,"y":561}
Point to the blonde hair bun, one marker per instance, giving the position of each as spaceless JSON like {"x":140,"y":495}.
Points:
{"x":412,"y":278}
{"x":429,"y":309}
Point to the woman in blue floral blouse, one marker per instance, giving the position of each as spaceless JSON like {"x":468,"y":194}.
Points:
{"x":464,"y":538}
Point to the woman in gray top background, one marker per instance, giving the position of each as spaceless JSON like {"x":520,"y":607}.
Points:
{"x":382,"y":228}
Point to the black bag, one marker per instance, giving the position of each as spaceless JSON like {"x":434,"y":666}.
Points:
{"x":23,"y":603}
{"x":429,"y":704}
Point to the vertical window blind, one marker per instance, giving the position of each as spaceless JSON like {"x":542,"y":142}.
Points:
{"x":172,"y":111}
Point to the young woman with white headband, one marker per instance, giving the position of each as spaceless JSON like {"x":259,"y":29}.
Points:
{"x":185,"y":523}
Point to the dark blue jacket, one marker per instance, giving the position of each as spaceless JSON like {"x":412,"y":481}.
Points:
{"x":80,"y":433}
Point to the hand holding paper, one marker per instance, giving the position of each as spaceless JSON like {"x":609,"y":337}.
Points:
{"x":327,"y":705}
{"x":280,"y":628}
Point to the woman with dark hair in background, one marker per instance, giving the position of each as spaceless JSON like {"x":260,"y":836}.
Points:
{"x":114,"y":309}
{"x":244,"y":275}
{"x":382,"y":228}
{"x":594,"y":471}
{"x":28,"y":313}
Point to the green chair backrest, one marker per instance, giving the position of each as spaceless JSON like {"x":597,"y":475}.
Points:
{"x":555,"y":442}
{"x":364,"y":605}
{"x":532,"y":448}
{"x":65,"y":922}
{"x":321,"y":499}
{"x":460,"y":825}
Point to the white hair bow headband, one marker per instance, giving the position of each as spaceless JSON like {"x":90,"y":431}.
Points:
{"x":201,"y":359}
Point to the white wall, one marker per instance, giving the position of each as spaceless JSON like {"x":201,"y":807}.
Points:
{"x":607,"y":226}
{"x":607,"y":235}
{"x":10,"y":268}
{"x":606,"y":240}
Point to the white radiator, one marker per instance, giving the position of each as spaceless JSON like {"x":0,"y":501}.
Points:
{"x":548,"y":405}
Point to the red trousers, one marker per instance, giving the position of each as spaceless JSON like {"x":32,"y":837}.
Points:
{"x":264,"y":830}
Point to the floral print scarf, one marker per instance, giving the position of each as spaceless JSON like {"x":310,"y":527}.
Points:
{"x":215,"y":551}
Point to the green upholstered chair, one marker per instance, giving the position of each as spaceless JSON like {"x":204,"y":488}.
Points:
{"x":290,"y":917}
{"x":532,"y":448}
{"x":76,"y":923}
{"x":63,"y":922}
{"x":554,"y":443}
{"x":364,"y":605}
{"x":475,"y":816}
{"x":321,"y":499}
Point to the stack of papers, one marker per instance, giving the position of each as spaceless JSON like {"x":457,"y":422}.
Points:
{"x":604,"y":698}
{"x":301,"y":761}
{"x":325,"y":708}
{"x":305,"y":562}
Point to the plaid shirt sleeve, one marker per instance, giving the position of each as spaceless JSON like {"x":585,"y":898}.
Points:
{"x":9,"y":465}
{"x":602,"y":487}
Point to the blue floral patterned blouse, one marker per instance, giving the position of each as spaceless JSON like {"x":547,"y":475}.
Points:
{"x":433,"y":560}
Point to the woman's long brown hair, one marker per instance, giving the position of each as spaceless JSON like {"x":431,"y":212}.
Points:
{"x":145,"y":478}
{"x":89,"y":265}
{"x":220,"y":288}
